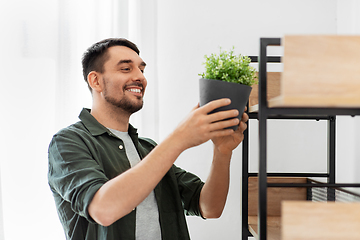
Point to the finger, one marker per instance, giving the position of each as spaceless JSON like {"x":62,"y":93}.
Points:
{"x":222,"y":115}
{"x":215,"y":104}
{"x":244,"y":117}
{"x":242,"y":126}
{"x":196,"y":107}
{"x":221,"y":125}
{"x":221,"y":133}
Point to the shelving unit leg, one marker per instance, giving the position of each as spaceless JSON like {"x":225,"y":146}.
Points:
{"x":263,"y":115}
{"x":331,"y":156}
{"x":245,"y":183}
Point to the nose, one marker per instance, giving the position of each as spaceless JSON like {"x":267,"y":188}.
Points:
{"x":139,"y":75}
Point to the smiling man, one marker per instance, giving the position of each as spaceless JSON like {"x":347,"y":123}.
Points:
{"x":108,"y":183}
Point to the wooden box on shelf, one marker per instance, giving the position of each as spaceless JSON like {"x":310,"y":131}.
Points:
{"x":320,"y":71}
{"x":275,"y":197}
{"x":273,"y":90}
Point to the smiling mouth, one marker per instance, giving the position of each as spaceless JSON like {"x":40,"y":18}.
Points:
{"x":134,"y":90}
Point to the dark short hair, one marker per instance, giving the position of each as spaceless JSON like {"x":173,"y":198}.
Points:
{"x":96,"y":55}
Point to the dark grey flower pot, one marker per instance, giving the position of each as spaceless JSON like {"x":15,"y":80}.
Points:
{"x":215,"y":89}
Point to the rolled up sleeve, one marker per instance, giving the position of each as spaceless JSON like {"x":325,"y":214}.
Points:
{"x":190,"y":187}
{"x":73,"y":173}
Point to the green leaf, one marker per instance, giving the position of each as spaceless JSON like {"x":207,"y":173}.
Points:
{"x":226,"y":66}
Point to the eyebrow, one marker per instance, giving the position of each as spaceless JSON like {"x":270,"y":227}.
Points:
{"x":130,"y":61}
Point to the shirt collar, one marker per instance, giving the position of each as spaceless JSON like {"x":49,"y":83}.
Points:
{"x":96,"y":128}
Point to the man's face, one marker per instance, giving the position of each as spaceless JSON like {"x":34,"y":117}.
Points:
{"x":123,"y":79}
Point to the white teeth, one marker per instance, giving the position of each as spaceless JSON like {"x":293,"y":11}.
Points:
{"x":135,"y":90}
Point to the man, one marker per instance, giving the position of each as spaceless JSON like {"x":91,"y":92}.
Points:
{"x":110,"y":184}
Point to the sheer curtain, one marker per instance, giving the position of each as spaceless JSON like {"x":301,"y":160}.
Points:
{"x":42,"y":91}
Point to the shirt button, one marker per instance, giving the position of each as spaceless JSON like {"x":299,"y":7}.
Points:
{"x":121,"y":147}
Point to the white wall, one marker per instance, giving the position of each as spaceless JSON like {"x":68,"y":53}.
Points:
{"x":348,"y":128}
{"x":42,"y":91}
{"x":27,"y":115}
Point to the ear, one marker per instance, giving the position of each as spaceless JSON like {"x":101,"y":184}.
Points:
{"x":93,"y":79}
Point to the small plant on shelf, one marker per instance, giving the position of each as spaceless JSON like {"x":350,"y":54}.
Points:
{"x":228,"y":67}
{"x":236,"y":78}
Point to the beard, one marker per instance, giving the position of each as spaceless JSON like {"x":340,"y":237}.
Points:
{"x":124,"y":103}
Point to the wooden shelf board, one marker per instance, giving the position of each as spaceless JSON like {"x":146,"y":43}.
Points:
{"x":320,"y":220}
{"x":315,"y":101}
{"x":282,"y":102}
{"x":312,"y":220}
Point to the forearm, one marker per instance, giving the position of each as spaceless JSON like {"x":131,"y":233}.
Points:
{"x":214,"y":193}
{"x":122,"y":194}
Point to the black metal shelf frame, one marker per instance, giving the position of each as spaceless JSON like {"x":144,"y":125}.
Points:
{"x":264,"y":113}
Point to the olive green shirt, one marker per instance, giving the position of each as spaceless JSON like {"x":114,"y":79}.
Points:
{"x":84,"y":156}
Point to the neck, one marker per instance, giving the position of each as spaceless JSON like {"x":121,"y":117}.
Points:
{"x":111,"y":117}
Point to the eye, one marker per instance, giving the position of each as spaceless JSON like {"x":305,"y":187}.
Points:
{"x":125,"y":69}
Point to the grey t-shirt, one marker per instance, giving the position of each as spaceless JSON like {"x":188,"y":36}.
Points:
{"x":147,"y":213}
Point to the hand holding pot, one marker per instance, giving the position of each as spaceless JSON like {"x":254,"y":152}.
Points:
{"x":226,"y":144}
{"x":200,"y":126}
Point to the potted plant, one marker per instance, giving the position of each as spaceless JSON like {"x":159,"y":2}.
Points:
{"x":227,"y":76}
